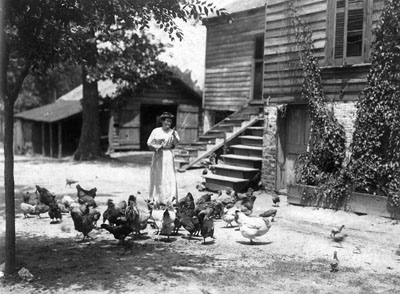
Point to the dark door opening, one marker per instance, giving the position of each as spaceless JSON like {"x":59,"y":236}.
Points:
{"x":150,"y":119}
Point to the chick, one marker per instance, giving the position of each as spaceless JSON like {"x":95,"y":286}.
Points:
{"x":276,"y":200}
{"x":252,"y":227}
{"x":335,"y":263}
{"x":336,"y":231}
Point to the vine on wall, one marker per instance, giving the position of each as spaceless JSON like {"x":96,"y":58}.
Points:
{"x":322,"y":164}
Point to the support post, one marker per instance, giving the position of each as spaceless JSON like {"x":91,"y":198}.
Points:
{"x":59,"y":140}
{"x":43,"y":141}
{"x":51,"y":139}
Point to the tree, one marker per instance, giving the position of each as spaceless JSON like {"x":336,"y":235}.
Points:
{"x":37,"y":34}
{"x":130,"y":56}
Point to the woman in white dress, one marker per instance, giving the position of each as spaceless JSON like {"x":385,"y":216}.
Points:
{"x":163,"y":186}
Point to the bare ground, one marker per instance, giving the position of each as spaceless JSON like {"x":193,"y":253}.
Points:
{"x":293,"y":257}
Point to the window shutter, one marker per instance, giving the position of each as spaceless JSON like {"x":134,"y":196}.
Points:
{"x":339,"y":34}
{"x":355,"y":22}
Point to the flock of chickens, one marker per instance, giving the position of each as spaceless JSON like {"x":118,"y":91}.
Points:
{"x":133,"y":216}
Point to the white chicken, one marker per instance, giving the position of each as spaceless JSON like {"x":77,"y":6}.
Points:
{"x":164,"y":220}
{"x":229,"y":215}
{"x":27,"y":209}
{"x":252,"y":227}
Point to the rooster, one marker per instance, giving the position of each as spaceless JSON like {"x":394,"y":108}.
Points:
{"x":82,"y":192}
{"x":252,"y":227}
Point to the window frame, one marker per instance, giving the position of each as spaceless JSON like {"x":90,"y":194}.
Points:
{"x":331,"y":34}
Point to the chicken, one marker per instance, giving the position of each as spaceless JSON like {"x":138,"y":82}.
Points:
{"x":335,"y":263}
{"x":112,"y":213}
{"x":186,"y":205}
{"x":226,"y":199}
{"x":339,"y":238}
{"x":41,"y":208}
{"x":164,"y":221}
{"x":247,"y":205}
{"x":27,"y":209}
{"x":206,"y":223}
{"x":120,"y":232}
{"x":336,"y":231}
{"x":139,"y":212}
{"x":96,"y":215}
{"x":252,"y":227}
{"x":123,"y":205}
{"x":276,"y":200}
{"x":45,"y":196}
{"x":31,"y":198}
{"x":69,"y":182}
{"x":269,"y":213}
{"x":89,"y":200}
{"x":55,"y":212}
{"x":83,"y":220}
{"x":67,"y":201}
{"x":82,"y":192}
{"x":62,"y":207}
{"x":189,"y":222}
{"x":229,"y":216}
{"x":204,"y":198}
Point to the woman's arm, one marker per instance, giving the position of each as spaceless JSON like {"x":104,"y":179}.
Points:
{"x":151,"y":142}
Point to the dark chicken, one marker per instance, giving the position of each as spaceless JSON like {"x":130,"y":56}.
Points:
{"x":206,"y":223}
{"x":45,"y":196}
{"x":89,"y":200}
{"x":120,"y":231}
{"x":82,"y":192}
{"x":113,"y":213}
{"x":83,"y":220}
{"x":55,"y":212}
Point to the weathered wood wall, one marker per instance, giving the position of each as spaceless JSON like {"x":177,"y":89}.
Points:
{"x":229,"y":59}
{"x":127,"y":127}
{"x":282,"y":75}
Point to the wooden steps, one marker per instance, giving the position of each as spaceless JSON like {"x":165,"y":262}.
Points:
{"x":218,"y":182}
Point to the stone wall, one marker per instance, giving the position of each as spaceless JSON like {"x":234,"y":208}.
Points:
{"x":268,"y":172}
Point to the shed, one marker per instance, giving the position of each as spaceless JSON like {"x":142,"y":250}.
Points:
{"x":54,"y":129}
{"x":138,"y":114}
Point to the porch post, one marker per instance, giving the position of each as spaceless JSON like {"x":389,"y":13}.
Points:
{"x":59,"y":140}
{"x":51,"y":139}
{"x":43,"y":150}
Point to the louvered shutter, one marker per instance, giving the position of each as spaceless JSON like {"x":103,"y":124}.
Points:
{"x":355,"y":22}
{"x":339,"y":29}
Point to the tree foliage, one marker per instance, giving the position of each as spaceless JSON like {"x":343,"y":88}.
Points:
{"x":375,"y":163}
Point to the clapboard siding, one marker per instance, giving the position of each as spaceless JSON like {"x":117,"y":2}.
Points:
{"x":229,"y":59}
{"x":282,"y":72}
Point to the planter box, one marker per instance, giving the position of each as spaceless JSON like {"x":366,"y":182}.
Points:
{"x":358,"y":202}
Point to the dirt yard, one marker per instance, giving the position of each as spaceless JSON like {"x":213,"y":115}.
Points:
{"x":293,"y":257}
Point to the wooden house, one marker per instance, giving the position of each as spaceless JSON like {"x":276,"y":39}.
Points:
{"x":54,"y":129}
{"x":252,"y":60}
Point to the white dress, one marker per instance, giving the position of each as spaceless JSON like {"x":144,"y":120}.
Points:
{"x":163,"y":186}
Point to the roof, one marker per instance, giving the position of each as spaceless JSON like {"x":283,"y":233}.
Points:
{"x":234,"y":6}
{"x":106,"y":88}
{"x":52,"y":112}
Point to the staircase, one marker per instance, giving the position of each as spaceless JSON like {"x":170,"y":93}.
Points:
{"x":242,"y":135}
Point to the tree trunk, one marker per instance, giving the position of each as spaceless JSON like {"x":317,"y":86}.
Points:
{"x":89,"y":142}
{"x":9,"y":187}
{"x":8,"y":150}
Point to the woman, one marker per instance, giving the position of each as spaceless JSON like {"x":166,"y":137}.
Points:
{"x":162,"y":140}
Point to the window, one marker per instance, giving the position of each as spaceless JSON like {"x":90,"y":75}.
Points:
{"x":351,"y":30}
{"x":258,"y":67}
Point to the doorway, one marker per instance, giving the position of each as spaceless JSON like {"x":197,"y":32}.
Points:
{"x":293,"y":135}
{"x":150,"y":119}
